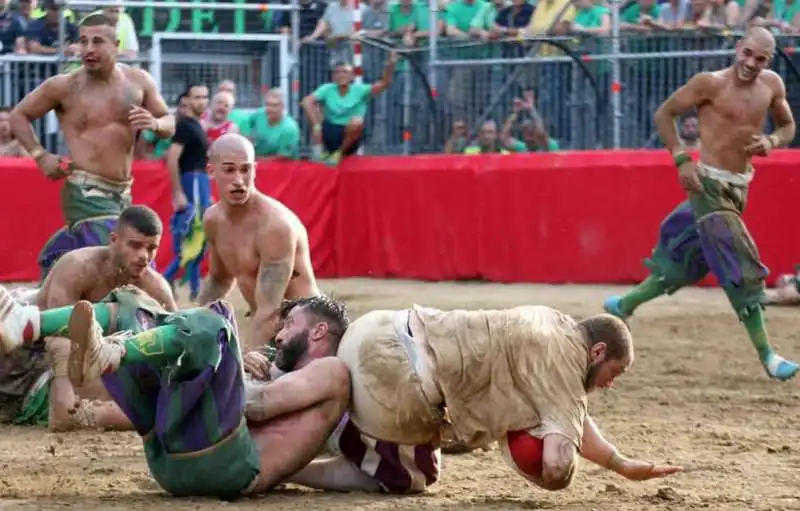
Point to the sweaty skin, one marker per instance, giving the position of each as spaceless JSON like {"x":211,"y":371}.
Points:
{"x":732,"y":107}
{"x":100,"y":106}
{"x":253,"y":240}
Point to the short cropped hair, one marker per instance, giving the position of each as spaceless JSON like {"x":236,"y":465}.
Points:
{"x":328,"y":310}
{"x":142,"y":219}
{"x":610,"y":330}
{"x":96,"y":19}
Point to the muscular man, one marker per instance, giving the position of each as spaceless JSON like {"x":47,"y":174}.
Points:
{"x":100,"y":107}
{"x":253,"y":240}
{"x":423,"y":377}
{"x":33,"y":390}
{"x":706,"y":232}
{"x":205,"y":446}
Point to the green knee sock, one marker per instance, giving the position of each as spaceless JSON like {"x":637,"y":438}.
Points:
{"x":651,"y":287}
{"x":757,"y":330}
{"x":156,"y":346}
{"x":55,"y":321}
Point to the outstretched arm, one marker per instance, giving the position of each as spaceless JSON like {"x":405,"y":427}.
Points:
{"x":276,"y":249}
{"x":600,"y":451}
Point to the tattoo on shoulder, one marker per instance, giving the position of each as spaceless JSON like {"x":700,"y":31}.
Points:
{"x":273,"y":278}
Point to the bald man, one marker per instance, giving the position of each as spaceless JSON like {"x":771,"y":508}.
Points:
{"x":255,"y":241}
{"x":218,"y":123}
{"x":421,"y":377}
{"x":706,"y":232}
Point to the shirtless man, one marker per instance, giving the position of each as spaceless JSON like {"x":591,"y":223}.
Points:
{"x":422,"y":377}
{"x":100,"y":107}
{"x":35,"y":393}
{"x":253,"y":240}
{"x":706,"y":232}
{"x":207,"y":446}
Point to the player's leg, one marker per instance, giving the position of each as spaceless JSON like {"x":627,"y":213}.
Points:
{"x":676,"y":261}
{"x":307,"y":410}
{"x":785,"y":293}
{"x":20,"y":324}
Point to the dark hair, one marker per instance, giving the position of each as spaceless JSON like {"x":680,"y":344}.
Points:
{"x":610,"y":330}
{"x":96,"y":19}
{"x":5,"y":109}
{"x":192,"y":85}
{"x":141,"y":218}
{"x":326,"y":309}
{"x":183,"y":96}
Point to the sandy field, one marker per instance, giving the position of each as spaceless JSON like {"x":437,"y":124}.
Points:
{"x":696,"y":396}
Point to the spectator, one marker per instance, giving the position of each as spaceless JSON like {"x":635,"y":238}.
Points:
{"x":375,"y":19}
{"x":591,"y":18}
{"x":689,"y":131}
{"x":43,"y":34}
{"x":483,"y":25}
{"x":487,"y":141}
{"x":9,"y":146}
{"x":534,"y":134}
{"x":218,"y":121}
{"x":126,"y":32}
{"x":458,"y":140}
{"x":460,"y":14}
{"x":310,"y":14}
{"x":12,"y":30}
{"x":408,"y":21}
{"x":642,"y":16}
{"x":31,"y":10}
{"x":339,"y":125}
{"x":336,"y":25}
{"x":514,"y":18}
{"x":674,"y":13}
{"x":545,"y":20}
{"x":272,"y":131}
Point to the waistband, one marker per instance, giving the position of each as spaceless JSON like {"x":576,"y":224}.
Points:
{"x":83,"y":179}
{"x":726,"y":176}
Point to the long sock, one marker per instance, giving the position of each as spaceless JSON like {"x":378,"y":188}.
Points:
{"x":757,"y":330}
{"x":54,"y":321}
{"x":156,"y":346}
{"x":651,"y":287}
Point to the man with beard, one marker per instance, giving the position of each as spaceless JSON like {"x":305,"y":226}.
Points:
{"x":34,"y":388}
{"x":422,"y":377}
{"x":191,"y":190}
{"x":100,"y":108}
{"x":181,"y":384}
{"x":255,"y":241}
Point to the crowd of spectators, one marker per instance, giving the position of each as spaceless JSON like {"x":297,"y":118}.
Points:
{"x":515,"y":124}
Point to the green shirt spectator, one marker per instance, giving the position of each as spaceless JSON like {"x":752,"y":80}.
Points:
{"x":279,"y":138}
{"x":340,"y":109}
{"x":518,"y":146}
{"x":634,"y":12}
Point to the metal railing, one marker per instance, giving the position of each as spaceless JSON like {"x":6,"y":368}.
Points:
{"x":444,"y":81}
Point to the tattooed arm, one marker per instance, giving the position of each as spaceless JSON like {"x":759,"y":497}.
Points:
{"x":276,"y":248}
{"x":219,"y":281}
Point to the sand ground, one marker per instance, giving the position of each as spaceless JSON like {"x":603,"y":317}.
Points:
{"x":696,"y":396}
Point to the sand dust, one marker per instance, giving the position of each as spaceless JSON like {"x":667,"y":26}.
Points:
{"x":696,"y":396}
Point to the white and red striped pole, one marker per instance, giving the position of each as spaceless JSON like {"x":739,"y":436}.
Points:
{"x":358,"y":61}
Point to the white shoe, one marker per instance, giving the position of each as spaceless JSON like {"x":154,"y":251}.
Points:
{"x":18,"y":323}
{"x":90,"y":355}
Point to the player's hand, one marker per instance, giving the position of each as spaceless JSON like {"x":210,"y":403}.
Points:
{"x":141,"y":119}
{"x":761,"y":146}
{"x":179,"y":201}
{"x":257,"y":364}
{"x":689,"y":178}
{"x":636,"y":470}
{"x":51,"y":166}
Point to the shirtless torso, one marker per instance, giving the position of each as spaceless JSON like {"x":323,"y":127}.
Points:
{"x":89,"y":274}
{"x":100,"y":107}
{"x":255,"y":241}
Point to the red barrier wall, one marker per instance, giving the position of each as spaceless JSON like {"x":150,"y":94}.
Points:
{"x":587,"y":217}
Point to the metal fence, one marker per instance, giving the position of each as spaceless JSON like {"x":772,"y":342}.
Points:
{"x":466,"y":81}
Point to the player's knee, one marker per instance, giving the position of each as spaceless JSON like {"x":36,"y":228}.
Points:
{"x":356,"y":123}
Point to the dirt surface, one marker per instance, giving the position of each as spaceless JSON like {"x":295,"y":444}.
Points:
{"x":696,"y":396}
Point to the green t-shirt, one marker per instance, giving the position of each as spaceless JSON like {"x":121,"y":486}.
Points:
{"x":399,"y":19}
{"x":338,"y":109}
{"x":634,"y":12}
{"x":591,"y":17}
{"x":518,"y":146}
{"x":282,"y":139}
{"x":484,"y":19}
{"x":160,"y":145}
{"x":461,"y":14}
{"x":241,"y":118}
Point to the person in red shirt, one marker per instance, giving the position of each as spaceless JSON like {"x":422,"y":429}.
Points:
{"x":217,"y":123}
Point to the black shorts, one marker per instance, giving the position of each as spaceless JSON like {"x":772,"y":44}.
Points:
{"x":333,"y":138}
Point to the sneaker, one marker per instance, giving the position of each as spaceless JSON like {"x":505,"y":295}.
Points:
{"x":91,"y":355}
{"x":18,"y":323}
